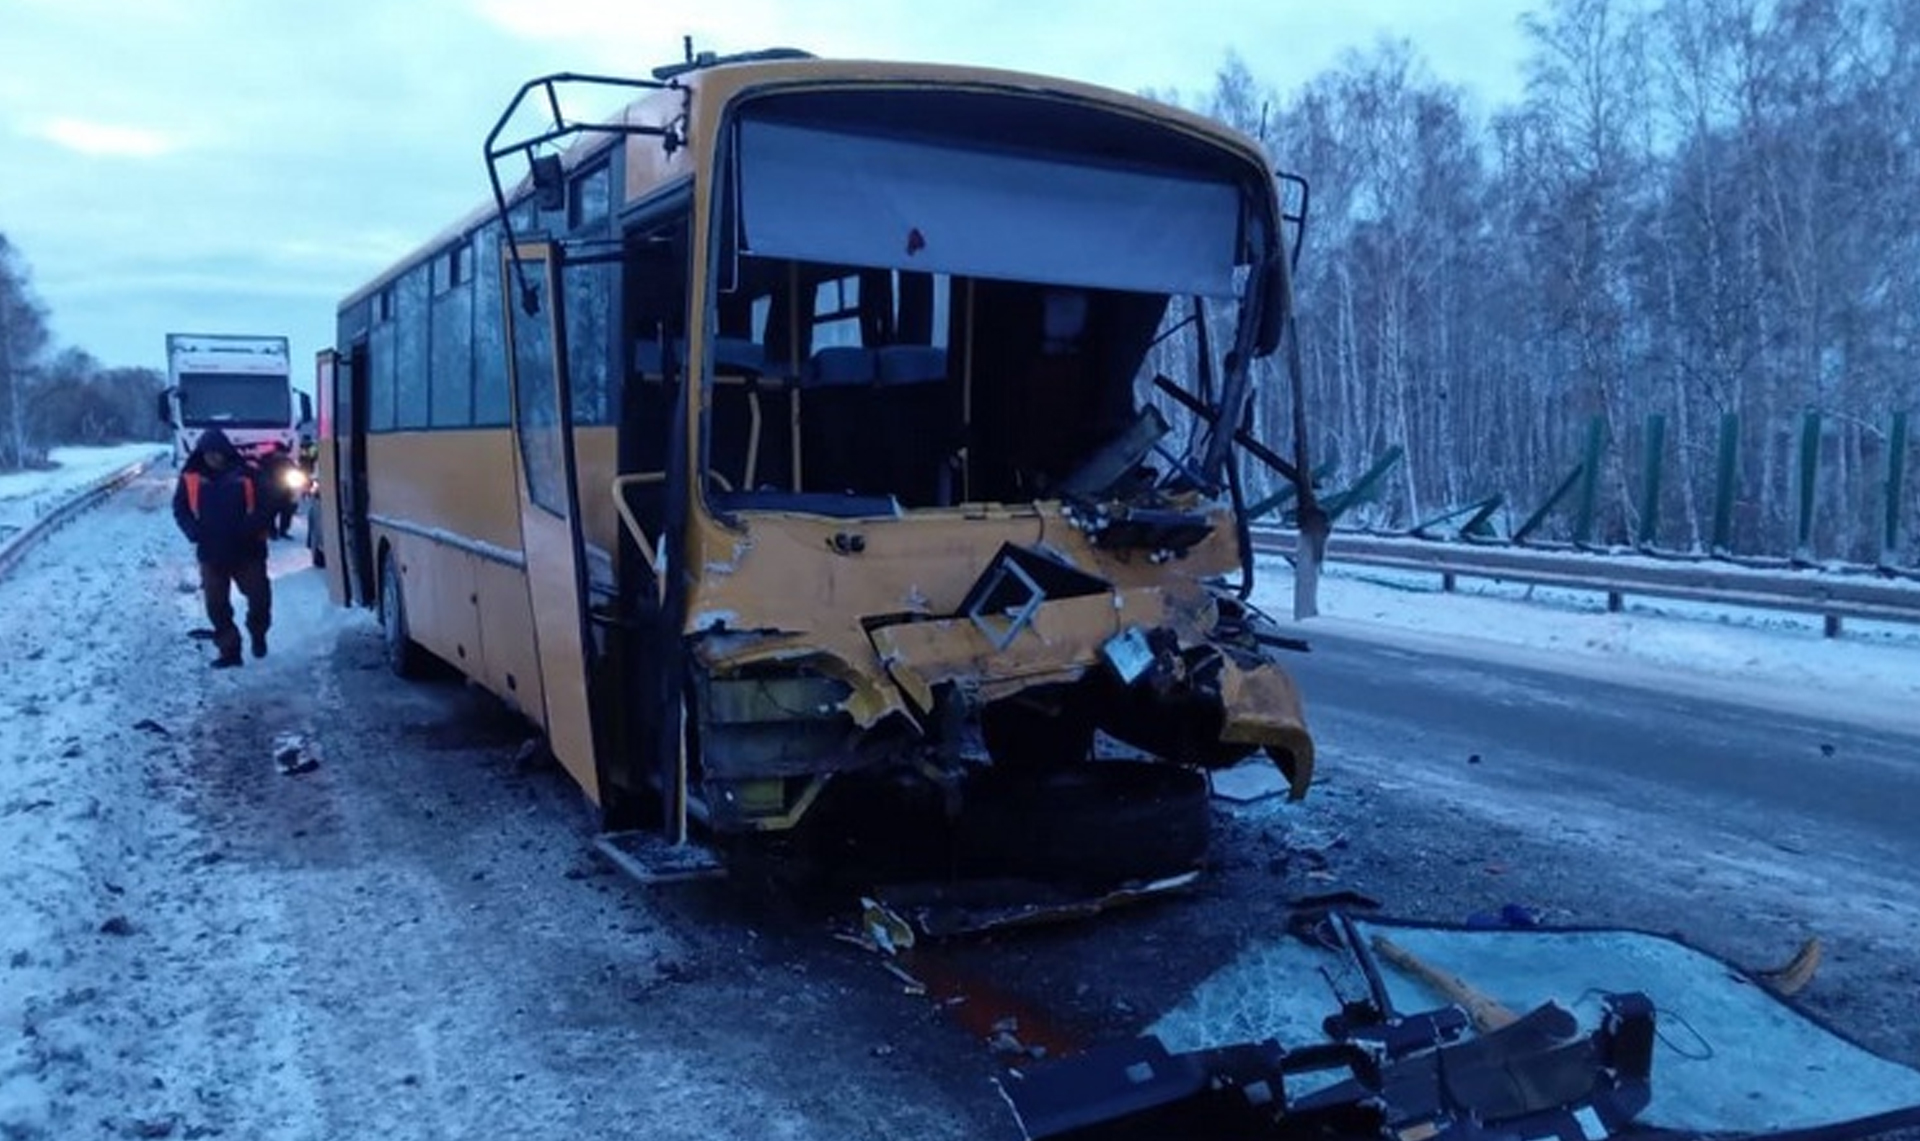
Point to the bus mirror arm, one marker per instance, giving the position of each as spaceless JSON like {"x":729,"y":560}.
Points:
{"x":547,"y":177}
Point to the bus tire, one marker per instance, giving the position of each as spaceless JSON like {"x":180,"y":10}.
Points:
{"x":1023,"y":735}
{"x":1097,"y":823}
{"x":405,"y":657}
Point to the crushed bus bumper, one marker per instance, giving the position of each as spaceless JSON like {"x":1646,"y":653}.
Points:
{"x":1039,"y":654}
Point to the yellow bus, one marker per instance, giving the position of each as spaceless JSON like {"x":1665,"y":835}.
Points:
{"x":799,"y":449}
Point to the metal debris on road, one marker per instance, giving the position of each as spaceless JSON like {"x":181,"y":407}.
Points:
{"x":293,"y":754}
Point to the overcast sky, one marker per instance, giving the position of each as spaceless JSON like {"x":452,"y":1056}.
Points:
{"x":240,"y":165}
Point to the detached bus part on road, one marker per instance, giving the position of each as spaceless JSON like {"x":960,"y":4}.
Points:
{"x":799,"y":449}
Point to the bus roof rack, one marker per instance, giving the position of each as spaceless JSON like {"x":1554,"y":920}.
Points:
{"x":698,"y":61}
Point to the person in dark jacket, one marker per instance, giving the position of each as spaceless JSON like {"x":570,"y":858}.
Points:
{"x":280,"y":478}
{"x":221,"y":509}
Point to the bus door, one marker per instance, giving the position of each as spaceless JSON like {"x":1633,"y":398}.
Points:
{"x":324,"y":524}
{"x":550,"y":528}
{"x":343,"y":388}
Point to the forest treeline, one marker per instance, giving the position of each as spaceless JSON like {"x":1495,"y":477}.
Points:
{"x":1701,"y":209}
{"x":1698,"y":208}
{"x":51,"y":396}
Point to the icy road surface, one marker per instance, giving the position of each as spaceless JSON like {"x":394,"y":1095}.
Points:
{"x":413,"y":940}
{"x":409,"y":941}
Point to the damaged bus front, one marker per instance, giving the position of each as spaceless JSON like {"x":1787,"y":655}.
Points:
{"x":927,"y":475}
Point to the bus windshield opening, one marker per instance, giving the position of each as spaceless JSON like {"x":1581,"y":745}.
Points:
{"x":952,"y":322}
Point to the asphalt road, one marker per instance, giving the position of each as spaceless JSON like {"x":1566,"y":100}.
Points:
{"x":1746,"y":770}
{"x":415,"y":940}
{"x":1737,"y":818}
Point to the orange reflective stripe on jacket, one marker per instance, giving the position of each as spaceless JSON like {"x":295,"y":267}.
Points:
{"x":194,"y":479}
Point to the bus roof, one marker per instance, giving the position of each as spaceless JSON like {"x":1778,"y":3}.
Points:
{"x":699,"y":93}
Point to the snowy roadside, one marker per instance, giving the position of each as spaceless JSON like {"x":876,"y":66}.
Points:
{"x":1870,"y":676}
{"x":26,"y":496}
{"x":38,"y":491}
{"x":409,"y":941}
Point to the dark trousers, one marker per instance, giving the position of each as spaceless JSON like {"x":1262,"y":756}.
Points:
{"x":217,"y":581}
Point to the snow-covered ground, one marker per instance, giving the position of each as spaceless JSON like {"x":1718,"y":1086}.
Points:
{"x":406,"y":943}
{"x":27,"y":495}
{"x":1870,"y":674}
{"x":410,"y":941}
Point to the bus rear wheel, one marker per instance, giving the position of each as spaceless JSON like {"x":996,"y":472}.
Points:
{"x":405,"y":657}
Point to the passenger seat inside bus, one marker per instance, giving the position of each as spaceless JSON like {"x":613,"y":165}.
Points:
{"x":877,"y":422}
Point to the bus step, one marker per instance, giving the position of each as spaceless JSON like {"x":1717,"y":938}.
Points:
{"x":651,"y":858}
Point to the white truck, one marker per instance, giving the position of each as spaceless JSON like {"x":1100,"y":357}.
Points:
{"x":239,"y":384}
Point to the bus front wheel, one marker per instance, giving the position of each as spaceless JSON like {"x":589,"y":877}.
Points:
{"x":405,"y":657}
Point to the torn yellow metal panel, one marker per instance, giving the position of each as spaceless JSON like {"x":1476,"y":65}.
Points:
{"x":1263,"y":708}
{"x":1060,"y":642}
{"x":790,"y":572}
{"x":870,"y":700}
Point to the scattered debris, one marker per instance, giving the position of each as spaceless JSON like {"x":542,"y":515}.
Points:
{"x":908,"y":983}
{"x":884,"y":928}
{"x":1792,"y":976}
{"x":977,"y":906}
{"x":1345,"y":898}
{"x":1006,"y":1037}
{"x":153,"y":1127}
{"x":1249,"y":781}
{"x":117,"y":925}
{"x":532,"y":754}
{"x":1486,"y":1012}
{"x":1510,"y":915}
{"x":1540,"y":1077}
{"x":294,"y":754}
{"x":1380,"y":1072}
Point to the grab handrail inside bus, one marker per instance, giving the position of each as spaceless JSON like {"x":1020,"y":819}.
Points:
{"x":640,"y":539}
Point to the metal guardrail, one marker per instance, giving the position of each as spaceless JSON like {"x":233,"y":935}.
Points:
{"x":15,"y":545}
{"x":1834,"y":596}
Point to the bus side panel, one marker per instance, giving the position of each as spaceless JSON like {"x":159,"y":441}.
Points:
{"x":457,"y":482}
{"x":456,"y":625}
{"x":510,"y":665}
{"x":442,"y":490}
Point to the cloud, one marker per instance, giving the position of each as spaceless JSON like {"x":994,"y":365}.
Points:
{"x":287,"y":153}
{"x":109,"y":140}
